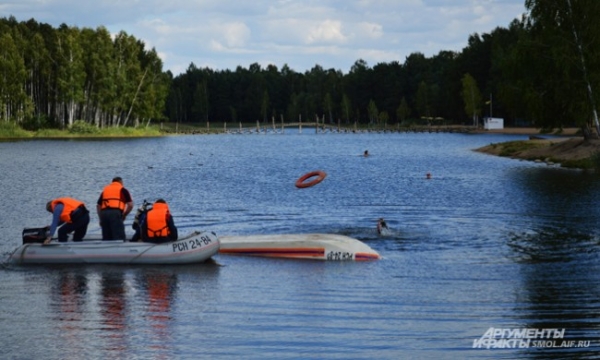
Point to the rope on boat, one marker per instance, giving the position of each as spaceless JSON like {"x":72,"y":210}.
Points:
{"x":6,"y":263}
{"x":196,"y":232}
{"x":142,"y":253}
{"x":23,"y":252}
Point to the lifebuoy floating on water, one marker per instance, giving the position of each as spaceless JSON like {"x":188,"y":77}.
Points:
{"x":302,"y":183}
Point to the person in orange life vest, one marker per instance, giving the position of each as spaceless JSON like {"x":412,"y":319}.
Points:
{"x":158,"y":225}
{"x":72,"y":217}
{"x":113,"y":206}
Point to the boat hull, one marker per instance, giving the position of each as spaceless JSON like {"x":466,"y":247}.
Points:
{"x":331,"y":247}
{"x":194,"y":248}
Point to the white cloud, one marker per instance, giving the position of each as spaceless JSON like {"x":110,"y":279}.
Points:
{"x":370,"y":30}
{"x":328,"y":31}
{"x":235,"y":34}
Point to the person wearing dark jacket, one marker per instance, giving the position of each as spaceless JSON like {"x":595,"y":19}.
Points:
{"x":113,"y":206}
{"x":72,"y":217}
{"x":157,"y":225}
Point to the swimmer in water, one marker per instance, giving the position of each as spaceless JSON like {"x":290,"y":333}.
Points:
{"x":381,"y":226}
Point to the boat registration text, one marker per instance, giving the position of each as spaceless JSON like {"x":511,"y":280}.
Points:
{"x":191,"y":244}
{"x":340,"y":255}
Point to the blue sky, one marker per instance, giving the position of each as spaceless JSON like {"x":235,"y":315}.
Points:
{"x":224,"y":34}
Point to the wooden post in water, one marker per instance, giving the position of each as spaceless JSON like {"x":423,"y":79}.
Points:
{"x":257,"y":127}
{"x":207,"y":126}
{"x":225,"y":127}
{"x":282,"y":127}
{"x":316,"y":124}
{"x":300,"y":123}
{"x":240,"y":127}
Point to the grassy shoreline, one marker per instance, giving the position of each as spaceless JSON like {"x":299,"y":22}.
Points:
{"x":10,"y":132}
{"x":83,"y":130}
{"x":80,"y":129}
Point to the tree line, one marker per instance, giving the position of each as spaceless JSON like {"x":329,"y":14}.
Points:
{"x":542,"y":70}
{"x":54,"y":77}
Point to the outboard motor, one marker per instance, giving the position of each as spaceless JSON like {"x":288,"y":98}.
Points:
{"x":35,"y":235}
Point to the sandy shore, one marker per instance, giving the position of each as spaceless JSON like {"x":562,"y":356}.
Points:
{"x":570,"y":150}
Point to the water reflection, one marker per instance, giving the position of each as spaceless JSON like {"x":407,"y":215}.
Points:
{"x":69,"y":299}
{"x":556,"y":247}
{"x":559,"y":196}
{"x":551,"y":244}
{"x":113,"y":309}
{"x":159,"y":288}
{"x":562,"y":295}
{"x":69,"y":294}
{"x":107,"y":307}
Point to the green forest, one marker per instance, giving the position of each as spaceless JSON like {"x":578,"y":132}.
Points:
{"x":542,"y":70}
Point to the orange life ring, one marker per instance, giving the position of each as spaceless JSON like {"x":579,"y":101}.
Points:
{"x":302,"y":183}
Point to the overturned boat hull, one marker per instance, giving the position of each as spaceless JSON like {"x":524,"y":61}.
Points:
{"x":331,"y":247}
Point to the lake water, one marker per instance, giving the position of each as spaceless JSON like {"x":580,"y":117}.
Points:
{"x":488,"y":251}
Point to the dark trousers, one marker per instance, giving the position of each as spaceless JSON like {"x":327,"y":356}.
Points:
{"x":111,"y":221}
{"x":80,"y":219}
{"x":157,"y":240}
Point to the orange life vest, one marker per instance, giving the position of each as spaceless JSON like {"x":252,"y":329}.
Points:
{"x":69,"y":205}
{"x":156,"y":221}
{"x":111,"y":196}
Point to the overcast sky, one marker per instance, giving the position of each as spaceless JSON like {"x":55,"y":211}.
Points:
{"x":223,"y":34}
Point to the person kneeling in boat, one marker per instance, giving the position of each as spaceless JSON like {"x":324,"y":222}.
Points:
{"x":158,"y":225}
{"x":71,"y":215}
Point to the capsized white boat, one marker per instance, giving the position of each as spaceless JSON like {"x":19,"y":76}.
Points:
{"x":196,"y":247}
{"x":299,"y":246}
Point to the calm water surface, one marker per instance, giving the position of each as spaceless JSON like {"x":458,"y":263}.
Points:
{"x":488,"y":242}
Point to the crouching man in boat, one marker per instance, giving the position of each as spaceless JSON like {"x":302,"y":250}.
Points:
{"x":71,"y":215}
{"x":158,"y":225}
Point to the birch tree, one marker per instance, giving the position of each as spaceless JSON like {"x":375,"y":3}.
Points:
{"x":71,"y":72}
{"x":571,"y":29}
{"x":12,"y":79}
{"x":471,"y":97}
